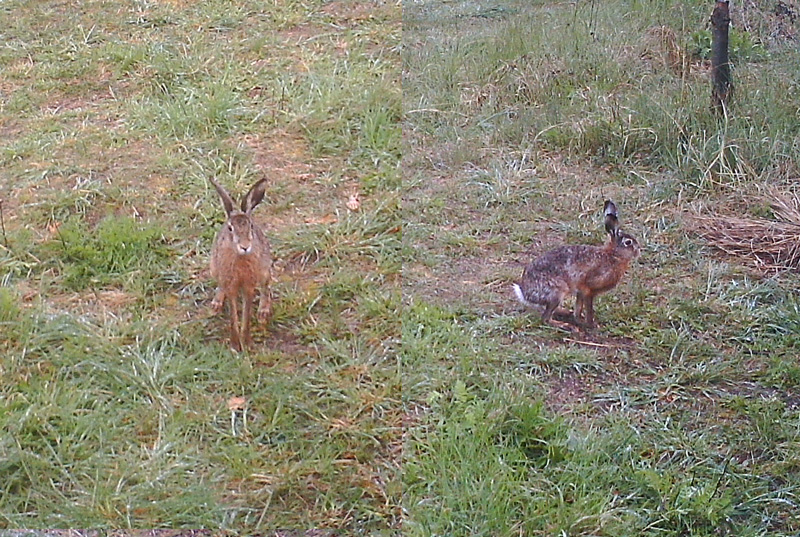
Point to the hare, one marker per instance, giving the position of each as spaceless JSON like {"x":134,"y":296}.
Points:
{"x":583,"y":270}
{"x":241,"y":262}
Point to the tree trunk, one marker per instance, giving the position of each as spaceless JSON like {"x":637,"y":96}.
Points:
{"x":722,"y":86}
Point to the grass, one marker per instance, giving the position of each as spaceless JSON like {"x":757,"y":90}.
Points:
{"x":429,"y":404}
{"x":678,"y":416}
{"x":122,"y":406}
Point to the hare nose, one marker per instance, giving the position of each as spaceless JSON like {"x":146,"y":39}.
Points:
{"x":245,"y":249}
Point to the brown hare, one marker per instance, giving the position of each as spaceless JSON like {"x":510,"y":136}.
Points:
{"x":583,"y":270}
{"x":241,"y":262}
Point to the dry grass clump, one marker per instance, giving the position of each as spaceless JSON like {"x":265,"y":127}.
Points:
{"x":771,"y":245}
{"x":662,"y":45}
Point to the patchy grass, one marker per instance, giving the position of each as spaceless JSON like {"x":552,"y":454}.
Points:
{"x":122,"y":406}
{"x":679,"y":414}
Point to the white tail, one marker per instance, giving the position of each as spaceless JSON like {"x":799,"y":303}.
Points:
{"x":520,"y":296}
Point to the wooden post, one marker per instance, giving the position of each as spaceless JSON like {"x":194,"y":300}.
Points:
{"x":722,"y":86}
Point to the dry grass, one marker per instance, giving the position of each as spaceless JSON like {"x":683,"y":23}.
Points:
{"x":770,"y":245}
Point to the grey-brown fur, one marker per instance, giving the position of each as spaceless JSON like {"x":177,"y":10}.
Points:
{"x":241,"y":262}
{"x":585,"y":271}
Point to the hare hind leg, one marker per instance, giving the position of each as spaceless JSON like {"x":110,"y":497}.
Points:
{"x":547,"y":317}
{"x":550,"y":307}
{"x":551,"y":303}
{"x":552,"y":297}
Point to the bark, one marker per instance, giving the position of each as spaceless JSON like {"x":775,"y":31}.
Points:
{"x":722,"y":85}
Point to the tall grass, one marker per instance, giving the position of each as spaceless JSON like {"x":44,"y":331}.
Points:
{"x":590,"y":80}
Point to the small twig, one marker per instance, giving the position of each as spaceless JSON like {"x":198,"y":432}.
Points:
{"x":591,"y":344}
{"x":719,"y":478}
{"x":61,"y":238}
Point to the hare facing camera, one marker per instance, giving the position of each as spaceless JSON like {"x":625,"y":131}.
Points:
{"x":241,"y":262}
{"x":583,"y":270}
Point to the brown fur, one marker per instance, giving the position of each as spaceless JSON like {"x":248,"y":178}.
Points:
{"x":241,"y":262}
{"x":585,"y":271}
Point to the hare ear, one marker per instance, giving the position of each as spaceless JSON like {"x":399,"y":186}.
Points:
{"x":255,"y":196}
{"x":609,"y":208}
{"x":227,"y":201}
{"x":611,"y":221}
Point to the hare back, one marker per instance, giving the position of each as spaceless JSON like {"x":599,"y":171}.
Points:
{"x":586,"y":268}
{"x":567,"y":262}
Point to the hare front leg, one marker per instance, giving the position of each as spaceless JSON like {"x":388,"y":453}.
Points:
{"x":590,"y":311}
{"x":579,"y":312}
{"x":249,"y":297}
{"x":234,"y":312}
{"x":584,"y":308}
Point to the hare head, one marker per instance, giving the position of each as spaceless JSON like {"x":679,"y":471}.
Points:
{"x":239,"y":226}
{"x":625,"y":245}
{"x":241,"y":262}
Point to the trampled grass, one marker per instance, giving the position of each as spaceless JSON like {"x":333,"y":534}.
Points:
{"x":679,"y":414}
{"x":122,"y":406}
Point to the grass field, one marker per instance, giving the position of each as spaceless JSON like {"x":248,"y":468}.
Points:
{"x":680,"y":414}
{"x":415,"y":165}
{"x":121,"y":405}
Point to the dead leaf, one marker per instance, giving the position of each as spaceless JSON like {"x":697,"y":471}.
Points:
{"x":236,"y":403}
{"x":53,"y":227}
{"x":354,"y":203}
{"x":337,"y":423}
{"x":328,"y":219}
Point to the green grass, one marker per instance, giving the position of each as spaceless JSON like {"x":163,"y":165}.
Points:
{"x":678,"y":415}
{"x":119,"y":393}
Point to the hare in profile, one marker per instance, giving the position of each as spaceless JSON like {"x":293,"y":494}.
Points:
{"x":241,"y":262}
{"x":583,"y":270}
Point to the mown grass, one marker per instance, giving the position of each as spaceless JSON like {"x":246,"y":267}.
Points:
{"x":122,"y":406}
{"x":678,"y":416}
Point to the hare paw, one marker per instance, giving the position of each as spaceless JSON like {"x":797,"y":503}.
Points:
{"x":566,"y":326}
{"x":219,"y":302}
{"x":264,"y":313}
{"x":248,"y":342}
